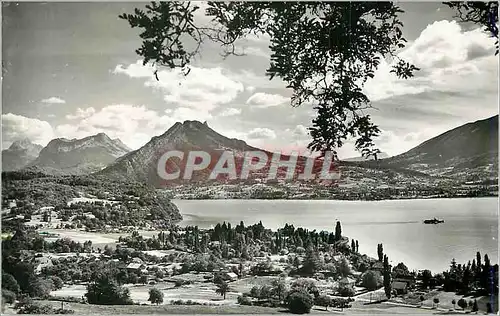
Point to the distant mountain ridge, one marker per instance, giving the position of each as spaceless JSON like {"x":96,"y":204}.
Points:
{"x":465,"y":152}
{"x":20,"y":153}
{"x":79,"y":156}
{"x":141,"y":164}
{"x":468,"y":151}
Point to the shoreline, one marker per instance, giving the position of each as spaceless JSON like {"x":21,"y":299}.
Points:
{"x":330,"y":199}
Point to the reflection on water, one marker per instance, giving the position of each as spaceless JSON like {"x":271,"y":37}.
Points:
{"x":470,"y":224}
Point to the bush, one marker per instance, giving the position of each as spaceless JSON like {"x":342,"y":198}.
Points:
{"x":244,"y":300}
{"x":9,"y":283}
{"x":346,"y":291}
{"x":8,"y":296}
{"x":299,"y":302}
{"x":342,"y":302}
{"x":106,"y":291}
{"x":155,"y":296}
{"x":41,"y":288}
{"x":27,"y":306}
{"x":324,"y":301}
{"x":372,"y":280}
{"x":462,"y":303}
{"x":57,"y":281}
{"x":255,"y":292}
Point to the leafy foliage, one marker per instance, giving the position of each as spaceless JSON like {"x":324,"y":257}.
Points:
{"x":104,"y":290}
{"x":9,"y":283}
{"x":372,"y":280}
{"x":222,"y":289}
{"x":324,"y":301}
{"x":299,"y":302}
{"x":155,"y":296}
{"x":346,"y":290}
{"x":324,"y":51}
{"x":462,"y":303}
{"x":8,"y":297}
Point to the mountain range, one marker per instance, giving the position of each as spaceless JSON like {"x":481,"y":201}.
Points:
{"x":141,"y":164}
{"x":19,"y":154}
{"x":78,"y":156}
{"x":468,"y":152}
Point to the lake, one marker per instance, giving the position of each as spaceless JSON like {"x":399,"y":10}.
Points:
{"x":471,"y":224}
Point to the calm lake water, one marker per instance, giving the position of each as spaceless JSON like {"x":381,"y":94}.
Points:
{"x":470,"y":225}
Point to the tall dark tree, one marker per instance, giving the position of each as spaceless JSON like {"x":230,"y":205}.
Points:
{"x":485,"y":275}
{"x":353,"y":246}
{"x":387,"y":278}
{"x":338,"y":231}
{"x":357,"y":246}
{"x":222,"y":289}
{"x":311,"y":261}
{"x":380,"y":252}
{"x":466,"y":280}
{"x":426,"y":277}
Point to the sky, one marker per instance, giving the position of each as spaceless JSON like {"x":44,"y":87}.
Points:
{"x":70,"y":70}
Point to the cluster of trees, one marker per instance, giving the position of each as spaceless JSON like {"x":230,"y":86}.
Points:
{"x":60,"y":245}
{"x":326,"y":301}
{"x":105,"y":289}
{"x":137,"y":205}
{"x":225,"y":241}
{"x":299,"y":297}
{"x":19,"y":276}
{"x":479,"y":275}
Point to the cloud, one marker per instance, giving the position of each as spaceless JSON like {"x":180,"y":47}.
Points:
{"x":230,"y":112}
{"x":257,"y":51}
{"x":17,"y":126}
{"x":396,"y":143}
{"x":81,"y":113}
{"x":261,"y":99}
{"x":447,"y":56}
{"x":301,"y":131}
{"x":53,"y":100}
{"x":261,"y":133}
{"x":134,"y":125}
{"x":250,"y":89}
{"x":443,"y":44}
{"x":202,"y":89}
{"x":184,"y":114}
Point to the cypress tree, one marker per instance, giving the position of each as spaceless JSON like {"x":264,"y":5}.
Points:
{"x":380,"y":252}
{"x":485,"y":276}
{"x":387,"y":278}
{"x":338,"y":231}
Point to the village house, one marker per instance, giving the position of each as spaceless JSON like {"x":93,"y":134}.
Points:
{"x":347,"y":281}
{"x":409,"y":280}
{"x":230,"y":276}
{"x":400,"y":287}
{"x":136,"y":267}
{"x":41,"y":262}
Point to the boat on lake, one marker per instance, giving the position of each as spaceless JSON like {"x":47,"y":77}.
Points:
{"x":433,"y":221}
